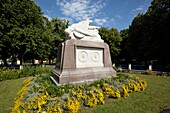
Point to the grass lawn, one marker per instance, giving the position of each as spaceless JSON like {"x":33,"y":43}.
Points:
{"x":154,"y":99}
{"x":8,"y":91}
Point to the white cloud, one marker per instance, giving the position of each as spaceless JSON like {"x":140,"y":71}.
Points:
{"x":104,"y":21}
{"x":119,"y":17}
{"x":49,"y":18}
{"x":100,"y":22}
{"x":139,"y":8}
{"x":80,"y":9}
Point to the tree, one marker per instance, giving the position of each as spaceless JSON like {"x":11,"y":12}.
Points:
{"x":124,"y":55}
{"x":159,"y":16}
{"x":148,"y":34}
{"x":5,"y":27}
{"x":113,"y":39}
{"x":136,"y":37}
{"x":21,"y":29}
{"x":57,"y":28}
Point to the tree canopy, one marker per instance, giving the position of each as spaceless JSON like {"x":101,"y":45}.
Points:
{"x":124,"y":55}
{"x":25,"y":33}
{"x":58,"y":26}
{"x":148,"y":39}
{"x":112,"y":38}
{"x":21,"y":26}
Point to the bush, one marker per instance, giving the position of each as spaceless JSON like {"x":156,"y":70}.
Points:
{"x":7,"y":74}
{"x":31,"y":70}
{"x":28,"y":70}
{"x":149,"y":72}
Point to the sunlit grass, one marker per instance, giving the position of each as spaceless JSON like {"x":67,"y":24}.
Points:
{"x":8,"y":91}
{"x":154,"y":99}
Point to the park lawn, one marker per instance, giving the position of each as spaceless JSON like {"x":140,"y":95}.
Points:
{"x":154,"y":99}
{"x":8,"y":91}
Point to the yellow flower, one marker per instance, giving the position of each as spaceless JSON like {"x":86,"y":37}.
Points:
{"x":62,"y":90}
{"x":72,"y":105}
{"x":55,"y":98}
{"x":55,"y":109}
{"x":24,"y":111}
{"x":100,"y":97}
{"x":20,"y":94}
{"x":98,"y":85}
{"x":125,"y":91}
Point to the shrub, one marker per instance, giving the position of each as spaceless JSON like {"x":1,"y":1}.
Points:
{"x":31,"y":70}
{"x":149,"y":72}
{"x":28,"y":70}
{"x":7,"y":74}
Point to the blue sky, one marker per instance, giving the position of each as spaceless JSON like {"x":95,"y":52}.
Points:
{"x":104,"y":13}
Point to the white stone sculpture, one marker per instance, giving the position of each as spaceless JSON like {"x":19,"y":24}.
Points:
{"x":83,"y":31}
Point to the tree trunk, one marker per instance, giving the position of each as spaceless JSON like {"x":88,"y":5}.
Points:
{"x":49,"y":60}
{"x":13,"y":61}
{"x":5,"y":61}
{"x":41,"y":61}
{"x":33,"y":61}
{"x":20,"y":59}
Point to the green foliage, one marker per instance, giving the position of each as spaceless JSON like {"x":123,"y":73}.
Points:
{"x":54,"y":90}
{"x":148,"y":38}
{"x":113,"y":39}
{"x":28,"y":70}
{"x":115,"y":68}
{"x":7,"y":74}
{"x":121,"y":75}
{"x":124,"y":55}
{"x":38,"y":95}
{"x":57,"y":29}
{"x":23,"y":30}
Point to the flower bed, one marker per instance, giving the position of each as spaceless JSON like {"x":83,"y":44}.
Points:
{"x":38,"y":95}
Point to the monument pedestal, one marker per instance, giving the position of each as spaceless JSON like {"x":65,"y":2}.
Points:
{"x":82,"y":61}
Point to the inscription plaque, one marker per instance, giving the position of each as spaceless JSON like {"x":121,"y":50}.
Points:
{"x":89,"y":57}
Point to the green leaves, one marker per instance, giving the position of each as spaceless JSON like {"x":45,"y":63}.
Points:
{"x":149,"y":34}
{"x":113,"y":39}
{"x":24,"y":32}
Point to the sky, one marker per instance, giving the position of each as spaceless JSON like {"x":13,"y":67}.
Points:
{"x":104,"y":13}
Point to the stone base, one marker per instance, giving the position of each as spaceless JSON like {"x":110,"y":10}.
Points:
{"x":70,"y":62}
{"x":82,"y":75}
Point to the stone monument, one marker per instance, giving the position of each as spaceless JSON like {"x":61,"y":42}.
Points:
{"x":83,"y":57}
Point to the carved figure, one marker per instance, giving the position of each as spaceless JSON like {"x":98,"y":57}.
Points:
{"x":83,"y":31}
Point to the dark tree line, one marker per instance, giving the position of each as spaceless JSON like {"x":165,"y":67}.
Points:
{"x":147,"y":40}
